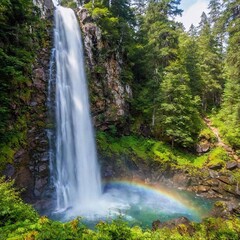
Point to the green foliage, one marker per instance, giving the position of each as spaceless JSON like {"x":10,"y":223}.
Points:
{"x":110,"y":24}
{"x":48,"y":229}
{"x":206,"y":133}
{"x":117,"y":229}
{"x":12,"y":208}
{"x":21,"y":35}
{"x":177,"y":114}
{"x":230,"y":112}
{"x":156,"y":152}
{"x":69,"y":4}
{"x":189,"y":55}
{"x":217,"y":155}
{"x":228,"y":127}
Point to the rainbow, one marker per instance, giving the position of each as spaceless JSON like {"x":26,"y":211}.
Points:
{"x":171,"y":195}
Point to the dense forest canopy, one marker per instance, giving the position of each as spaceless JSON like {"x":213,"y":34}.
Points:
{"x":179,"y":76}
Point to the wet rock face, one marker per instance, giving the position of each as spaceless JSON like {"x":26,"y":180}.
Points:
{"x":231,"y":165}
{"x":209,"y":183}
{"x":108,"y":94}
{"x":171,"y":223}
{"x":226,"y":209}
{"x":30,"y":166}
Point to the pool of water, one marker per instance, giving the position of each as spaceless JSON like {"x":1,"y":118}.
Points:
{"x":139,"y":204}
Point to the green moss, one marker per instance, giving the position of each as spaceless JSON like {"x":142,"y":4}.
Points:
{"x":16,"y":138}
{"x":236,"y":175}
{"x":217,"y":156}
{"x":207,"y":133}
{"x":6,"y":155}
{"x":150,"y":150}
{"x":69,"y":3}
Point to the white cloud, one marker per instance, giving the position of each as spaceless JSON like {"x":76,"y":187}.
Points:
{"x":192,"y":14}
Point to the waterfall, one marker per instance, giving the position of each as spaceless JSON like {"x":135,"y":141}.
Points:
{"x":75,"y":169}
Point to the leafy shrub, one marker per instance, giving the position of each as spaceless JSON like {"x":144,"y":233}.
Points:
{"x":218,"y":155}
{"x":230,"y":131}
{"x":117,"y":230}
{"x":206,"y":133}
{"x":69,"y":3}
{"x":12,"y":208}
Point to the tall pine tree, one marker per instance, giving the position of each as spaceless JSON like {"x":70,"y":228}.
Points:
{"x":230,"y":113}
{"x":177,"y":115}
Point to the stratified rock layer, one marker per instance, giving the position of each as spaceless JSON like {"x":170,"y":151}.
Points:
{"x":31,"y":162}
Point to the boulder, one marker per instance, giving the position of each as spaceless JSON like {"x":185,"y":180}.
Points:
{"x":212,"y":182}
{"x":156,"y":225}
{"x":220,"y":210}
{"x":175,"y":223}
{"x":231,"y":165}
{"x":216,"y":166}
{"x":9,"y":171}
{"x":202,"y":188}
{"x":213,"y":174}
{"x":226,"y":208}
{"x":181,"y":180}
{"x":225,"y":180}
{"x":203,"y":146}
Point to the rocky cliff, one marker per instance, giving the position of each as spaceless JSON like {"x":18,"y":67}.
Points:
{"x":29,"y":166}
{"x":45,"y":6}
{"x":108,"y":94}
{"x":31,"y":162}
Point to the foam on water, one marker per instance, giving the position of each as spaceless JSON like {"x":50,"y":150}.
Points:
{"x":140,"y":203}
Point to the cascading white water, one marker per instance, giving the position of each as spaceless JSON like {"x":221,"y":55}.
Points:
{"x":77,"y":175}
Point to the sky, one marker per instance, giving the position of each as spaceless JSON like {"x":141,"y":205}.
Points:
{"x":192,"y":11}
